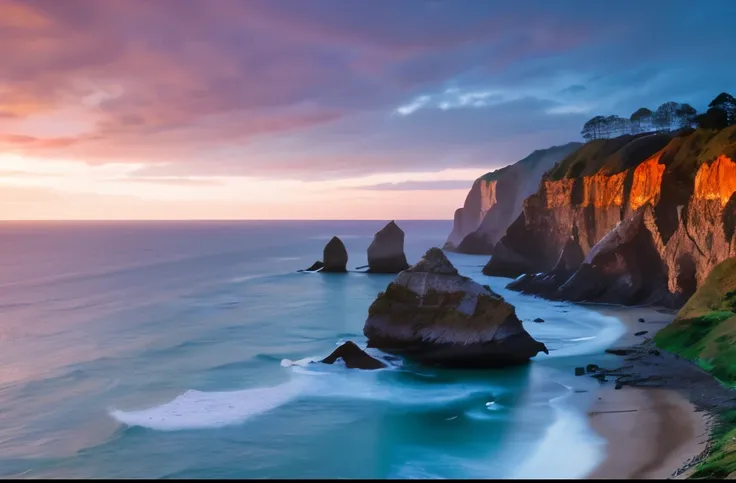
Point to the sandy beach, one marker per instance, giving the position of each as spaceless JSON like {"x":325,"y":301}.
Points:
{"x":658,"y":423}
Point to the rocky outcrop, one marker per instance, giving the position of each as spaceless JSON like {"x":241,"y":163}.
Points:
{"x":353,"y":357}
{"x":335,"y":256}
{"x":434,"y":315}
{"x":546,"y":284}
{"x":386,"y":251}
{"x":652,"y":214}
{"x":316,"y":267}
{"x":495,"y":200}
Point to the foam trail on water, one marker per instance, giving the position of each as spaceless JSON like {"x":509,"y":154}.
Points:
{"x":196,"y":409}
{"x":569,"y":449}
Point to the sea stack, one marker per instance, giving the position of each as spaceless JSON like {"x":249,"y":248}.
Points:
{"x":386,"y":251}
{"x":435,"y":316}
{"x":335,"y":256}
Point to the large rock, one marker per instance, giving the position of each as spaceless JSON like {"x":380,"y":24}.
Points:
{"x":335,"y":256}
{"x":623,"y":268}
{"x":434,"y":315}
{"x":386,"y":251}
{"x":353,"y":357}
{"x":546,"y":284}
{"x":475,"y":243}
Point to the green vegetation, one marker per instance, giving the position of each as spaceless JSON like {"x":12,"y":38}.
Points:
{"x":721,"y":460}
{"x":704,"y":330}
{"x":670,"y":116}
{"x":609,"y":156}
{"x":682,"y":153}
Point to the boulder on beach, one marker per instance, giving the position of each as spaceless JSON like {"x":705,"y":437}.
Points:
{"x":335,"y":256}
{"x":353,"y":357}
{"x":386,"y":251}
{"x":433,"y":315}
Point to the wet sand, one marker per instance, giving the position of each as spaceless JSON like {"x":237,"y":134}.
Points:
{"x":657,"y":425}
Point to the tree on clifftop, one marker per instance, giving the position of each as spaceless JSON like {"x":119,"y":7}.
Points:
{"x":641,"y":120}
{"x":665,"y":116}
{"x":727,"y":103}
{"x":685,"y":114}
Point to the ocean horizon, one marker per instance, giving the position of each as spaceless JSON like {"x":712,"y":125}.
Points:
{"x":183,"y":349}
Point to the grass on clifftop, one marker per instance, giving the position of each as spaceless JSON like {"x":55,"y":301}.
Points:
{"x":683,"y":152}
{"x":704,"y":330}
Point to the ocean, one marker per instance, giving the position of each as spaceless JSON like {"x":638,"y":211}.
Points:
{"x":182,"y":349}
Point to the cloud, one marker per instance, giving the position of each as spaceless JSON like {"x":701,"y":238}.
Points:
{"x":421,"y":186}
{"x":328,"y":88}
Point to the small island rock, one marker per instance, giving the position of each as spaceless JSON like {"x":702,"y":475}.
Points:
{"x":434,"y":315}
{"x":386,"y":251}
{"x":335,"y":256}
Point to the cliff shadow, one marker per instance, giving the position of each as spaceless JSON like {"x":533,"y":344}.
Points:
{"x":687,"y":282}
{"x":729,"y":218}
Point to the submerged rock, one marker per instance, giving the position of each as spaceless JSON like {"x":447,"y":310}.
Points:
{"x":354,"y":357}
{"x":436,"y":316}
{"x":335,"y":256}
{"x":316,"y":266}
{"x":386,"y":251}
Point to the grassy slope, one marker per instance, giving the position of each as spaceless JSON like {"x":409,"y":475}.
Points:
{"x":704,"y":331}
{"x":683,"y":152}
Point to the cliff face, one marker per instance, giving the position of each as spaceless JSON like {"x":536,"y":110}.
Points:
{"x":667,"y":202}
{"x":480,"y":199}
{"x":496,"y":199}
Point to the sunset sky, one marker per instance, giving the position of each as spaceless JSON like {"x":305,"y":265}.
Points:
{"x":321,"y":109}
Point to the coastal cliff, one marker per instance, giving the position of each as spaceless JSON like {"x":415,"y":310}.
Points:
{"x":495,"y":199}
{"x":652,"y":214}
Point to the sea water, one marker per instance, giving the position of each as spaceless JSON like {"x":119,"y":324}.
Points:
{"x":183,"y":349}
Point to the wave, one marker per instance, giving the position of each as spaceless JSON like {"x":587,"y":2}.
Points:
{"x":582,"y":448}
{"x":199,"y":410}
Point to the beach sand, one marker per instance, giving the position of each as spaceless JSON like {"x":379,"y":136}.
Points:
{"x":657,"y":425}
{"x":650,"y":433}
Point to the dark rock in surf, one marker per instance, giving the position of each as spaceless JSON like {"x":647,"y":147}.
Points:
{"x":354,"y":357}
{"x":434,"y":315}
{"x":335,"y":256}
{"x":315,"y":267}
{"x":386,"y":251}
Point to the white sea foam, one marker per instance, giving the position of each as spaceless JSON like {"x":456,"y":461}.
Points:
{"x":197,"y":410}
{"x":569,"y":448}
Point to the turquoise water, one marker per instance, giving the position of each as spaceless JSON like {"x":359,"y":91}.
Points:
{"x":180,"y":350}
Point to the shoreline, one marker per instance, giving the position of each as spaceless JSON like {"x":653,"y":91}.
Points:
{"x":658,"y":424}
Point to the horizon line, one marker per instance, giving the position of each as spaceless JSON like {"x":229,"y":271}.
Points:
{"x":210,"y":219}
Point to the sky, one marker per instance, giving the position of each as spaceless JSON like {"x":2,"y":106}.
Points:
{"x":321,"y":109}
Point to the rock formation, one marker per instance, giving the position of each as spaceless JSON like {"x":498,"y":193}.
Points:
{"x":386,"y":251}
{"x":657,"y":202}
{"x":335,"y":256}
{"x":316,"y":266}
{"x":353,"y":357}
{"x":432,"y":314}
{"x":495,"y":200}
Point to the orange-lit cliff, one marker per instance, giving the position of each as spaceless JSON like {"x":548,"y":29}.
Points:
{"x":495,"y":200}
{"x":650,"y":214}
